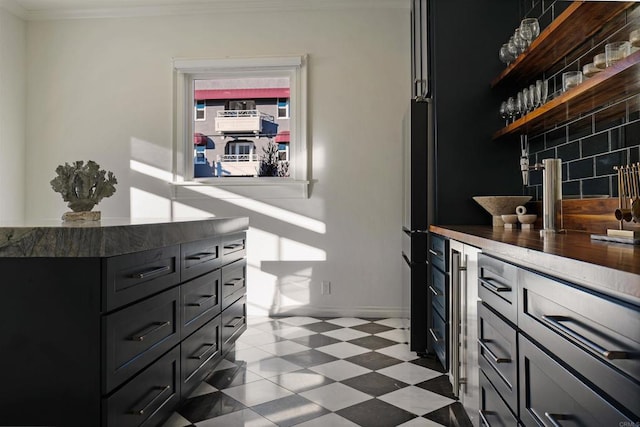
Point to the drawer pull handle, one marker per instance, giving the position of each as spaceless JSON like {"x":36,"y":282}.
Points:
{"x":234,"y":282}
{"x":151,"y":329}
{"x":435,"y":253}
{"x":492,"y":286}
{"x":234,"y":246}
{"x":238,"y":321}
{"x":201,"y":301}
{"x":434,"y":334}
{"x":434,"y":291}
{"x":151,"y":273}
{"x":203,"y":256}
{"x":554,"y":322}
{"x":209,"y":348}
{"x":151,"y":402}
{"x":491,"y":354}
{"x":483,"y":418}
{"x":553,"y":418}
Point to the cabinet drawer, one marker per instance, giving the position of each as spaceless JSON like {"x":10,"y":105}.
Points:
{"x":149,"y":398}
{"x":437,"y":288}
{"x":131,"y":277}
{"x":200,"y":257}
{"x":199,"y":353}
{"x":597,"y":335}
{"x":234,"y":323}
{"x":497,"y":354}
{"x":550,"y":395}
{"x":137,"y":335}
{"x":439,"y":252}
{"x":497,"y":285}
{"x":438,"y":336}
{"x":494,"y":412}
{"x":233,"y":281}
{"x":234,"y":247}
{"x":200,"y":301}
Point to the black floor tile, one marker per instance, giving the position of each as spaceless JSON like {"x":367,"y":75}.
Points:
{"x":290,"y":410}
{"x":439,"y":385}
{"x":430,"y":362}
{"x":373,"y":360}
{"x":371,"y":328}
{"x":316,"y":340}
{"x":321,"y":327}
{"x":375,"y":413}
{"x":374,"y":384}
{"x":309,"y":358}
{"x":209,"y":405}
{"x":452,"y":415}
{"x":372,"y":342}
{"x":227,"y":378}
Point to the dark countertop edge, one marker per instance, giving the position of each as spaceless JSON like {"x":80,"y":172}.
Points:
{"x":614,"y":282}
{"x":113,"y":239}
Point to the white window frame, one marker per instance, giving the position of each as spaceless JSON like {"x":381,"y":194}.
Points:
{"x":185,"y":71}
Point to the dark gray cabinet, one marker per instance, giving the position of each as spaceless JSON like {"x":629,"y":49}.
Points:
{"x":437,"y":289}
{"x":117,"y":341}
{"x":555,"y":353}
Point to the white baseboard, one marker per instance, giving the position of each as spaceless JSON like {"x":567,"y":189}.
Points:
{"x":363,"y":312}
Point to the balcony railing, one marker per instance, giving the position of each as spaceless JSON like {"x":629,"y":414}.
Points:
{"x":253,"y":157}
{"x":245,"y":113}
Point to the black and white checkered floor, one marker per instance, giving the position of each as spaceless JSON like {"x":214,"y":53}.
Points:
{"x":324,"y":372}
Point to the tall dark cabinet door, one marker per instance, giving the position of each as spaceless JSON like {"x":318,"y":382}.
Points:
{"x":419,"y":44}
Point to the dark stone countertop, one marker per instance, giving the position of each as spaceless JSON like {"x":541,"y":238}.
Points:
{"x":107,"y":237}
{"x":606,"y":267}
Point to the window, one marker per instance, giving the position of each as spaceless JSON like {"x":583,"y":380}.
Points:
{"x":239,"y":104}
{"x":283,"y":108}
{"x":201,"y":110}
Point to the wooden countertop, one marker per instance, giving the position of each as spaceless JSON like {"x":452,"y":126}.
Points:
{"x":107,"y":237}
{"x":611,"y":268}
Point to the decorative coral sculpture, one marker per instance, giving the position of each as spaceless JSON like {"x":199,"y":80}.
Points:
{"x":83,"y":186}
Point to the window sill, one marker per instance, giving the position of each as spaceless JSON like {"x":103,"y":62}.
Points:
{"x":237,"y":188}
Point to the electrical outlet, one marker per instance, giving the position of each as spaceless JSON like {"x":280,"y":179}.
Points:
{"x":325,"y":288}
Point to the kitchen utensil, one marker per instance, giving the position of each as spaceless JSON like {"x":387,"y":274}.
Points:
{"x":616,"y":51}
{"x":635,"y":203}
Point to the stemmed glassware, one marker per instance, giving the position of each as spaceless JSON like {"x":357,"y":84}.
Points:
{"x":519,"y":41}
{"x":542,"y":86}
{"x":529,"y":30}
{"x":505,"y":55}
{"x":504,"y":113}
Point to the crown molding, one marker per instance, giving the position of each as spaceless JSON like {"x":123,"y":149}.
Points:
{"x":14,"y":8}
{"x":210,"y":7}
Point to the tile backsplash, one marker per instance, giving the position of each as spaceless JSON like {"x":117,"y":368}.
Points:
{"x":591,"y":145}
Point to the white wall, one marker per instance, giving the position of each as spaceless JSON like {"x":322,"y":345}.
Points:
{"x":101,"y":89}
{"x":13,"y":70}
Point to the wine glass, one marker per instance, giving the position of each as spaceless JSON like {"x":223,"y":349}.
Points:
{"x":535,"y":102}
{"x":513,"y":49}
{"x":543,"y":86}
{"x":511,"y":107}
{"x":505,"y":55}
{"x":519,"y":41}
{"x":519,"y":105}
{"x":504,"y":113}
{"x":525,"y":101}
{"x":529,"y":29}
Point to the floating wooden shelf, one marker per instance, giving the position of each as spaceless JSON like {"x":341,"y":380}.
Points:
{"x":612,"y":84}
{"x":572,"y":27}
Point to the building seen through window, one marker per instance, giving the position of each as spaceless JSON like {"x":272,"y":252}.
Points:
{"x":241,"y":127}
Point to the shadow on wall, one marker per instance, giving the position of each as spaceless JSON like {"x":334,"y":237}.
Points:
{"x":280,"y":267}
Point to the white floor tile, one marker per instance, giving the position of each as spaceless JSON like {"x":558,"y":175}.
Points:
{"x":271,"y":367}
{"x":343,"y":350}
{"x":399,"y":351}
{"x":409,"y":373}
{"x":244,"y":418}
{"x":394,"y":322}
{"x":347,"y":321}
{"x":293,"y":332}
{"x":335,"y":396}
{"x":397,"y":335}
{"x":298,"y":320}
{"x":340,"y":370}
{"x":416,"y":400}
{"x":345,"y":334}
{"x":252,"y":354}
{"x":283,"y":348}
{"x":329,"y":420}
{"x":260,"y":338}
{"x":421,"y":422}
{"x":257,"y":392}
